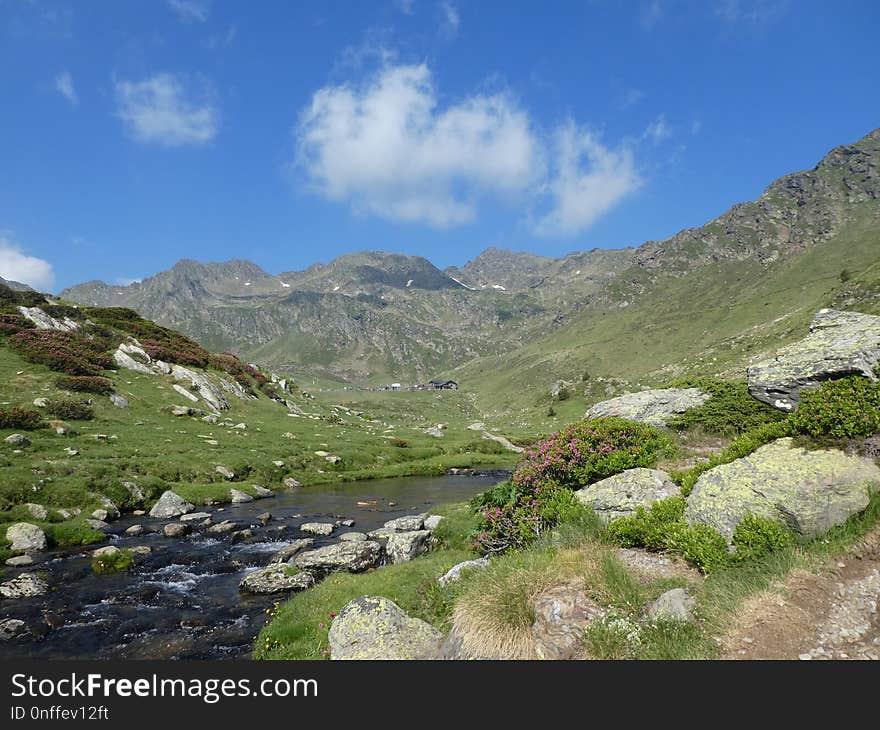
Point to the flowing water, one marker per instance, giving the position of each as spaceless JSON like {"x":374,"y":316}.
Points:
{"x":182,"y":600}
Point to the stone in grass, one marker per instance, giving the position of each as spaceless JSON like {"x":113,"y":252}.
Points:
{"x":809,"y":491}
{"x":373,"y":627}
{"x":655,"y":407}
{"x":407,"y":523}
{"x":290,"y":483}
{"x":37,"y":511}
{"x":404,"y":546}
{"x":239,"y":497}
{"x":26,"y":538}
{"x":674,"y":605}
{"x":18,"y":439}
{"x":225,"y":472}
{"x":276,"y":578}
{"x":455,"y":572}
{"x":351,"y":557}
{"x":262,"y":492}
{"x":318,"y":528}
{"x":171,"y":505}
{"x":24,"y":585}
{"x":432,"y":522}
{"x":622,"y":494}
{"x":562,"y":614}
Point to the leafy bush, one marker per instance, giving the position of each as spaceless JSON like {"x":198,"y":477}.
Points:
{"x":591,"y":450}
{"x":756,"y":537}
{"x":69,"y":409}
{"x":85,"y":384}
{"x":19,"y":418}
{"x":13,"y":298}
{"x":845,"y":408}
{"x":65,"y":352}
{"x":11,"y":324}
{"x":663,"y":528}
{"x":731,"y":409}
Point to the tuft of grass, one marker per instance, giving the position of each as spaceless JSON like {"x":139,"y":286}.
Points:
{"x":115,"y":563}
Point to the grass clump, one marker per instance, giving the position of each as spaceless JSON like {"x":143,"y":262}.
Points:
{"x":730,"y":411}
{"x":114,"y":562}
{"x":845,"y":408}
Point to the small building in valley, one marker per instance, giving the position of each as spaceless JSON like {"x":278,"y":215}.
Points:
{"x":443,"y":385}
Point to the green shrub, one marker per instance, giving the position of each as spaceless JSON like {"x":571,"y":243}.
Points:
{"x":68,"y":409}
{"x":19,"y":418}
{"x":845,"y":408}
{"x":113,"y":563}
{"x":85,"y":384}
{"x":65,"y":352}
{"x":730,"y":410}
{"x":756,"y":537}
{"x":11,"y":324}
{"x":663,"y":528}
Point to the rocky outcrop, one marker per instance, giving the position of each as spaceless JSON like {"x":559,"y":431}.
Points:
{"x":350,"y":557}
{"x":839,"y":344}
{"x":655,"y":407}
{"x":211,"y":394}
{"x":170,"y":505}
{"x":620,"y":495}
{"x":42,"y":321}
{"x":372,"y":627}
{"x":26,"y":538}
{"x":276,"y":578}
{"x":404,"y":546}
{"x":562,"y":614}
{"x":809,"y":491}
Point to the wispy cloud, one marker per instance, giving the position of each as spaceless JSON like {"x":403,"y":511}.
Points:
{"x":757,"y":14}
{"x":15,"y":265}
{"x":650,"y":13}
{"x":64,"y":86}
{"x":388,"y":148}
{"x":407,"y":7}
{"x":586,"y":180}
{"x":160,"y":109}
{"x":451,"y":19}
{"x":191,"y":11}
{"x":658,"y":130}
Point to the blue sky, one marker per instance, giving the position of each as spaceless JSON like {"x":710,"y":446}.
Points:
{"x":133,"y":134}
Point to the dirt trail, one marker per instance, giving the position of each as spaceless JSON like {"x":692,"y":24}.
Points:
{"x":832,"y":614}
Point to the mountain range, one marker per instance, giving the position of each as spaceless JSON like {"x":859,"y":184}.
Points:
{"x":509,"y":321}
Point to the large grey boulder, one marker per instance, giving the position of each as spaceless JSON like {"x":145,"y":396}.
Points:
{"x":839,"y":343}
{"x":620,"y":495}
{"x":373,"y":627}
{"x":276,"y":578}
{"x":317,"y":528}
{"x":26,"y":538}
{"x":404,"y":546}
{"x":239,"y":497}
{"x":562,"y":614}
{"x":25,"y":585}
{"x":655,"y":407}
{"x":169,"y":505}
{"x":809,"y":491}
{"x":407,"y":523}
{"x":351,"y":557}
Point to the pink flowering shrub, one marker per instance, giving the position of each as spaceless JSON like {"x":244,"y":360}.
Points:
{"x":65,"y":352}
{"x":540,"y":493}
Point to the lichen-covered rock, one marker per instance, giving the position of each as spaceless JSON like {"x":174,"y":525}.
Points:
{"x":26,"y":538}
{"x":239,"y":497}
{"x":225,"y":472}
{"x":839,"y":343}
{"x":18,"y":439}
{"x":404,"y":546}
{"x":276,"y":578}
{"x":620,"y":495}
{"x":674,"y":605}
{"x":351,"y":557}
{"x":655,"y":407}
{"x":407,"y":523}
{"x":432,"y":522}
{"x":119,"y":401}
{"x":809,"y":491}
{"x":37,"y":511}
{"x":25,"y":585}
{"x":562,"y":614}
{"x":455,"y":572}
{"x":12,"y":628}
{"x":373,"y":627}
{"x":317,"y":528}
{"x":289,"y":551}
{"x":353,"y":537}
{"x":171,"y":504}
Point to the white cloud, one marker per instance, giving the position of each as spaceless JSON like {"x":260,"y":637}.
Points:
{"x":15,"y":265}
{"x":125,"y":281}
{"x":755,"y":13}
{"x":451,"y":18}
{"x":407,"y":7}
{"x":158,"y":110}
{"x":658,"y":130}
{"x":387,"y":148}
{"x":64,"y":86}
{"x":587,"y":179}
{"x":650,"y":14}
{"x":191,"y":11}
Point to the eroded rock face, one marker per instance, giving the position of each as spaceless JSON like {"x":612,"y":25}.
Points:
{"x":561,"y":616}
{"x":810,"y":491}
{"x":211,"y":394}
{"x":170,"y":505}
{"x":26,"y":538}
{"x":351,"y":557}
{"x":276,"y":578}
{"x":839,"y":344}
{"x":655,"y":407}
{"x":42,"y":321}
{"x":620,"y":495}
{"x":373,"y":627}
{"x":404,"y":546}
